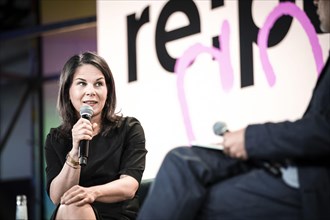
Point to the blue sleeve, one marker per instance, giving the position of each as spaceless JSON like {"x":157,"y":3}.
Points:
{"x":307,"y":138}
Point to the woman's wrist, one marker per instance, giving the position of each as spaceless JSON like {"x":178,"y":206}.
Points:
{"x":72,"y":162}
{"x":74,"y":153}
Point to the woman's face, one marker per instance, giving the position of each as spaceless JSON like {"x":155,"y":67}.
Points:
{"x":89,"y":87}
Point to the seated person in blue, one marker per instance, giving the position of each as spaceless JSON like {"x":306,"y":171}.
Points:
{"x":206,"y":184}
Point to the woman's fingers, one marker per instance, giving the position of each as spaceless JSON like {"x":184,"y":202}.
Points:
{"x":76,"y":194}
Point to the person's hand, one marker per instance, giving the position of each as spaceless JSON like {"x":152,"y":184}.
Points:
{"x":78,"y":195}
{"x":234,"y":144}
{"x":82,"y":130}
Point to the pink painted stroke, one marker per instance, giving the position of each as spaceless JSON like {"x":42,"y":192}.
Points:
{"x":183,"y":63}
{"x":291,"y":9}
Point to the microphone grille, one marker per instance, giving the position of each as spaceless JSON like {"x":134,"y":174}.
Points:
{"x":86,"y":110}
{"x":219,"y":128}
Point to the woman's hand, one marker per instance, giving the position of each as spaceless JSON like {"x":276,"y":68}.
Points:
{"x":234,"y":144}
{"x":78,"y":195}
{"x":82,"y":130}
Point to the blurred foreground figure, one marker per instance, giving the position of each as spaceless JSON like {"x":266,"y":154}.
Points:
{"x":237,"y":183}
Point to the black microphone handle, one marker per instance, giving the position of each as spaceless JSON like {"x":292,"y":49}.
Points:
{"x":86,"y":112}
{"x":84,"y":147}
{"x":83,"y":152}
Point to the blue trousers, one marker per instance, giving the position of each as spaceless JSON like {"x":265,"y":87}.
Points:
{"x":198,"y":183}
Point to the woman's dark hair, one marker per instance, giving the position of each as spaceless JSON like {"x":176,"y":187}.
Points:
{"x":66,"y":110}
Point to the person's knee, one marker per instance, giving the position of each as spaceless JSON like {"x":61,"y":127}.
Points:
{"x":175,"y":153}
{"x":179,"y":151}
{"x":75,"y":212}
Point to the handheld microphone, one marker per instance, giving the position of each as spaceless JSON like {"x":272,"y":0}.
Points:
{"x":220,"y":128}
{"x":86,"y":112}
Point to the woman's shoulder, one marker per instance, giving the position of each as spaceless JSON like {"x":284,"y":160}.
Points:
{"x":122,"y":124}
{"x":128,"y":121}
{"x":126,"y":124}
{"x":57,"y":134}
{"x":55,"y":130}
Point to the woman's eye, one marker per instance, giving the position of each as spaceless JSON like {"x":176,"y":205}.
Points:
{"x":98,"y":84}
{"x":81,"y":83}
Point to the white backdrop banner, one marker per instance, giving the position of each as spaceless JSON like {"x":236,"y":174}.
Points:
{"x":181,"y":66}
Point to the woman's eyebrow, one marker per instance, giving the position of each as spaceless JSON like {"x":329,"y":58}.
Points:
{"x":101,"y":78}
{"x":80,"y":79}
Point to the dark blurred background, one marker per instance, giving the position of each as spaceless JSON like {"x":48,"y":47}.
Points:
{"x":36,"y":38}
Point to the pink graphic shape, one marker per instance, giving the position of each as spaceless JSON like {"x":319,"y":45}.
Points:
{"x":183,"y":63}
{"x":291,"y":9}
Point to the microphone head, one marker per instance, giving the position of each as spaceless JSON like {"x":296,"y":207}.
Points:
{"x":86,"y":111}
{"x":219,"y":128}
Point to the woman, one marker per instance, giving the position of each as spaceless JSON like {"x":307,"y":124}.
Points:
{"x":105,"y":188}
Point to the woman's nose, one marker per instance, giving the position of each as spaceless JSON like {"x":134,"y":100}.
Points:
{"x":90,"y":90}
